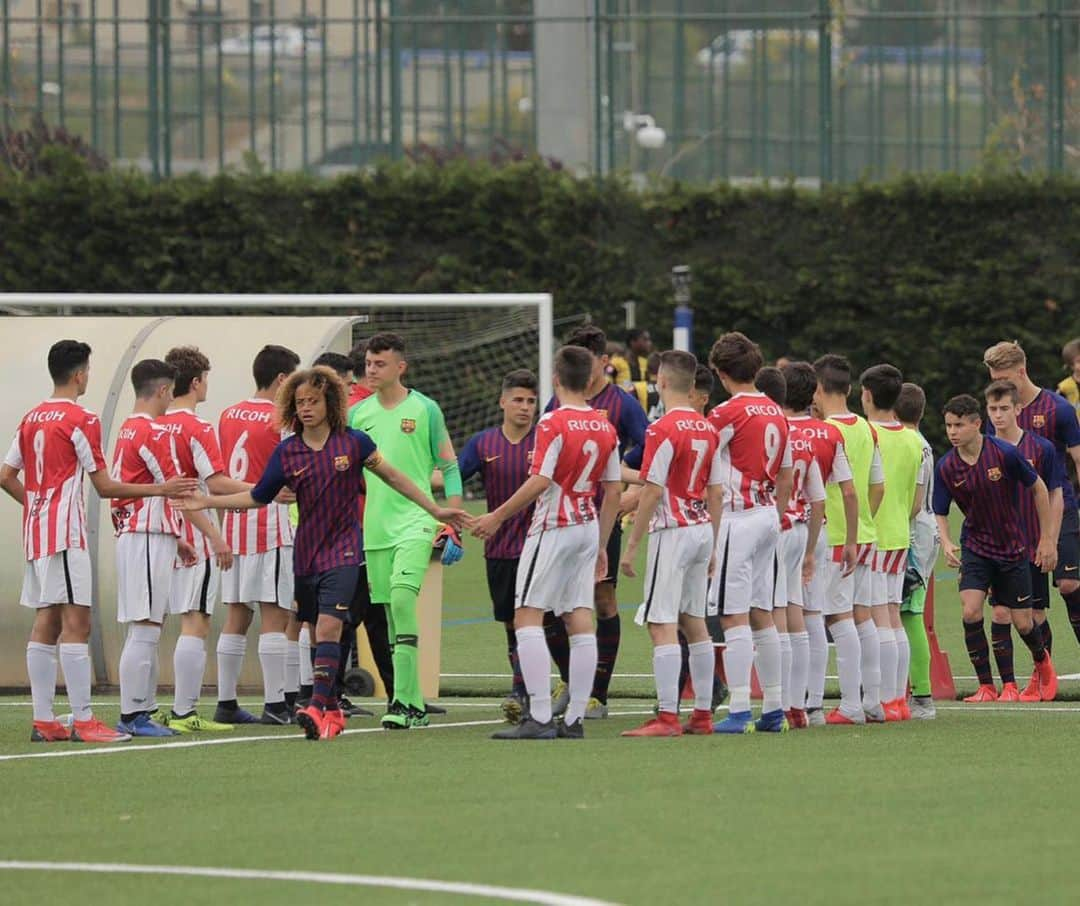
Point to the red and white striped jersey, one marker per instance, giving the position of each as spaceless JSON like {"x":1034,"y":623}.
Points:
{"x":577,"y":448}
{"x":144,"y":454}
{"x":753,"y":442}
{"x":808,"y":486}
{"x":828,"y":444}
{"x":681,"y":456}
{"x":57,"y":442}
{"x":248,"y":438}
{"x":199,"y":456}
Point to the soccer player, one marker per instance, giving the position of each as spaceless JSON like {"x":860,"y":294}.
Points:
{"x":629,"y":421}
{"x":681,"y":467}
{"x":829,"y":586}
{"x":860,"y":447}
{"x":985,"y":478}
{"x":262,"y":544}
{"x":757,"y":481}
{"x":57,"y":442}
{"x":398,"y":534}
{"x":322,"y":462}
{"x":1002,"y":409}
{"x":565,"y":550}
{"x":195,"y":587}
{"x":1048,"y":414}
{"x":343,"y":364}
{"x":502,"y":456}
{"x":902,"y":461}
{"x":922,"y":556}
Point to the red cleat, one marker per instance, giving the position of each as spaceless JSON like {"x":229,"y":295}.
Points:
{"x":838,"y":718}
{"x":311,"y":719}
{"x":1009,"y":693}
{"x":905,"y":708}
{"x":93,"y":730}
{"x":700,"y":723}
{"x":797,"y":719}
{"x":333,"y":724}
{"x":1048,"y":682}
{"x":49,"y":731}
{"x":664,"y":724}
{"x":1031,"y":691}
{"x":985,"y":693}
{"x":893,"y":711}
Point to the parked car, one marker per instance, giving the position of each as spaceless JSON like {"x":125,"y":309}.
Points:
{"x":284,"y":40}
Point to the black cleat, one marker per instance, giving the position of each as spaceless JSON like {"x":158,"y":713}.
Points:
{"x":396,"y":717}
{"x":434,"y":709}
{"x":576,"y":730}
{"x":272,"y":718}
{"x":351,"y":710}
{"x":528,"y":729}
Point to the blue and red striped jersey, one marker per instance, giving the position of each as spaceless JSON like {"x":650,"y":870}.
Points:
{"x":326,"y":483}
{"x":504,"y":467}
{"x":1043,"y":458}
{"x":1052,"y":416}
{"x":987,"y":494}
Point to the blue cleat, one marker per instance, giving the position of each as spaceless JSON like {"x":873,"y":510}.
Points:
{"x":142,"y":725}
{"x":773,"y":722}
{"x":735,"y":723}
{"x":223,"y":715}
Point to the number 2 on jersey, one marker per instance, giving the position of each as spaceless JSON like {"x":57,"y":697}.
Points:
{"x":584,"y":484}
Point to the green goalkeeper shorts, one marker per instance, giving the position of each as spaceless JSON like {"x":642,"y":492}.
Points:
{"x":401,"y":566}
{"x":914,"y":601}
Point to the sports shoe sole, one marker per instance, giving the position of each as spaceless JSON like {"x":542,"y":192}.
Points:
{"x":307,"y":723}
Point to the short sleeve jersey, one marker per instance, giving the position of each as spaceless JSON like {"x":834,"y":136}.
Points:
{"x":248,"y":440}
{"x":577,"y":449}
{"x":1043,"y":458}
{"x":808,"y":485}
{"x":199,"y":456}
{"x":504,"y":467}
{"x":56,"y":444}
{"x":145,"y":453}
{"x":681,"y":456}
{"x":901,"y":458}
{"x":753,"y":440}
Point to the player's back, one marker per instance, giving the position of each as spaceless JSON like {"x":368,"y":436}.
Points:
{"x":860,"y":448}
{"x":144,"y":454}
{"x":805,"y":470}
{"x":680,"y":447}
{"x":577,"y":448}
{"x":753,"y":434}
{"x":198,"y":456}
{"x":901,"y":459}
{"x":57,"y":442}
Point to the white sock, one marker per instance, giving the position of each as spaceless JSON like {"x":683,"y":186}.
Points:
{"x":272,"y":652}
{"x":785,"y":670}
{"x":887,"y":640}
{"x":768,"y":662}
{"x":667,"y":662}
{"x":583,"y":657}
{"x":848,"y":665}
{"x":871,"y":664}
{"x":136,"y":665}
{"x":903,"y":662}
{"x":75,"y":660}
{"x":800,"y":663}
{"x":738,"y":659}
{"x":819,"y":659}
{"x":534,"y":661}
{"x":702,"y":670}
{"x":41,"y":667}
{"x":307,"y":670}
{"x":230,"y":661}
{"x":152,"y":682}
{"x":292,"y":667}
{"x":189,"y":664}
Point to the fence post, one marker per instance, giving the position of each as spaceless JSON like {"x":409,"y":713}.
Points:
{"x":152,"y":123}
{"x":598,"y":99}
{"x":5,"y":73}
{"x":1055,"y":114}
{"x":166,"y":87}
{"x":395,"y":82}
{"x":825,"y":125}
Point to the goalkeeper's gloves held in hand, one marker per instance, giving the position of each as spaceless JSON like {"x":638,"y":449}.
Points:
{"x":450,"y":541}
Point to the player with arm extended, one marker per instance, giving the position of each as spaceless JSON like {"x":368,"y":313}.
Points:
{"x":922,"y":558}
{"x":680,"y":507}
{"x":57,"y":442}
{"x":322,"y":462}
{"x":565,"y":551}
{"x":398,"y":534}
{"x":985,"y":477}
{"x":901,"y":459}
{"x":1050,"y":415}
{"x":757,"y":480}
{"x":1002,"y":410}
{"x":261,"y":542}
{"x":502,"y":456}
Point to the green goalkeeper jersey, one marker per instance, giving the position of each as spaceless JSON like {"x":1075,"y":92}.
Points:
{"x":412,"y":438}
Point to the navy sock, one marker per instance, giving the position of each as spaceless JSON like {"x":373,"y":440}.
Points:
{"x":1035,"y":644}
{"x":558,"y":643}
{"x":327,"y":656}
{"x":1001,"y":635}
{"x":978,"y":651}
{"x":518,"y":686}
{"x":608,"y":636}
{"x":1072,"y":602}
{"x":1047,"y":636}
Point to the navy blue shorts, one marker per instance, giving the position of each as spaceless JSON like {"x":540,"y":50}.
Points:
{"x":1068,"y":565}
{"x":502,"y":582}
{"x":1009,"y":579}
{"x":331,"y":593}
{"x":1040,"y":589}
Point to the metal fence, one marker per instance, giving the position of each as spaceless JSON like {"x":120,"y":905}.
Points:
{"x":812,"y":90}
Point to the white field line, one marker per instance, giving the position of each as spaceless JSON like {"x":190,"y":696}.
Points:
{"x":510,"y":894}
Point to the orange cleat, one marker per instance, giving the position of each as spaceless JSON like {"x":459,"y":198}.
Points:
{"x":985,"y":693}
{"x":838,"y":718}
{"x":664,"y":724}
{"x":1031,"y":691}
{"x":1009,"y":693}
{"x":700,"y":723}
{"x":797,"y":719}
{"x":893,"y":713}
{"x":905,"y":708}
{"x":311,"y":719}
{"x":49,"y":731}
{"x":93,"y":730}
{"x":332,"y":725}
{"x":1048,"y":682}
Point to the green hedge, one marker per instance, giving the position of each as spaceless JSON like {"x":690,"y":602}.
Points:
{"x":922,"y":273}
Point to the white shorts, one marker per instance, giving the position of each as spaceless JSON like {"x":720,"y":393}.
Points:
{"x":790,"y":553}
{"x":864,"y":585}
{"x":888,"y":582}
{"x":265,"y":578}
{"x":557,"y":568}
{"x":814,"y":593}
{"x":63,"y":578}
{"x":195,"y":588}
{"x":838,"y":590}
{"x":676,"y":574}
{"x":924,"y":549}
{"x":144,"y":568}
{"x":745,"y":559}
